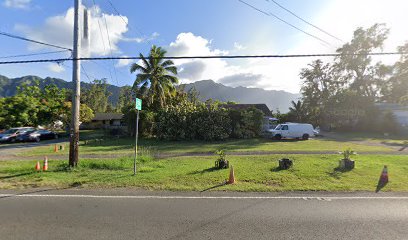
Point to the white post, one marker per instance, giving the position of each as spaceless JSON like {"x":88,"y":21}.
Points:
{"x":137,"y":133}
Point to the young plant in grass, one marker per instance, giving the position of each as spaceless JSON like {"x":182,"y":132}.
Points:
{"x":221,"y":162}
{"x":347,"y":163}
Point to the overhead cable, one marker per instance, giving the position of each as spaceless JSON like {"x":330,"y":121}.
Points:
{"x":284,"y":21}
{"x":209,"y":57}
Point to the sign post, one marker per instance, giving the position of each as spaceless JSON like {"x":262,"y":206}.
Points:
{"x":138,"y":108}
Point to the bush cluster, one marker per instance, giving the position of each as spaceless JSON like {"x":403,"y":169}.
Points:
{"x":199,"y":121}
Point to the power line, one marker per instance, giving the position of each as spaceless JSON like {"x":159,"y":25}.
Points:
{"x":104,"y":67}
{"x":58,"y":60}
{"x":142,"y":35}
{"x":100,"y":31}
{"x":33,"y":41}
{"x":86,"y":74}
{"x":284,"y":21}
{"x":110,"y":48}
{"x":307,"y":22}
{"x":32,"y":54}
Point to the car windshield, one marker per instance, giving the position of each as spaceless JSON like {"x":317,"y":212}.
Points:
{"x":278,"y":127}
{"x":11,"y":131}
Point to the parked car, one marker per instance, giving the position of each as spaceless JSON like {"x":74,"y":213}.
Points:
{"x":293,"y":130}
{"x":28,"y":137}
{"x":11,"y":134}
{"x":42,"y":135}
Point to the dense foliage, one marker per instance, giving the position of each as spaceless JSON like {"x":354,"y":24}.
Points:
{"x":96,"y":97}
{"x":33,"y":106}
{"x":342,"y":94}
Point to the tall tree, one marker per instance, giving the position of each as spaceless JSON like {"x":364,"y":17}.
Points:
{"x":97,"y":96}
{"x":396,"y":88}
{"x":156,"y":77}
{"x":298,"y":110}
{"x":356,"y":66}
{"x":126,"y":97}
{"x":319,"y":83}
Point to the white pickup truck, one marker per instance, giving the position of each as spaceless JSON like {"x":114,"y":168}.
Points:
{"x":293,"y":130}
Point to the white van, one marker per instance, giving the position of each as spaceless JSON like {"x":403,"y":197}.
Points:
{"x":293,"y":130}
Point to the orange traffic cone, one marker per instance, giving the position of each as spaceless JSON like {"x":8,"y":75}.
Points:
{"x":45,"y":167}
{"x":384,"y":175}
{"x":231,"y":176}
{"x":55,"y":148}
{"x":37,"y":166}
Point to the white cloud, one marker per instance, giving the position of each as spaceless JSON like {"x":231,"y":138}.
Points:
{"x":56,"y":68}
{"x":219,"y":70}
{"x":123,"y":62}
{"x":142,"y":39}
{"x":190,"y":70}
{"x":58,"y":30}
{"x":238,"y":46}
{"x":20,"y":4}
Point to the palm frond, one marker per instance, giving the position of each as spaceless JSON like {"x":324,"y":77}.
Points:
{"x":172,"y":69}
{"x":136,"y":67}
{"x":167,"y":63}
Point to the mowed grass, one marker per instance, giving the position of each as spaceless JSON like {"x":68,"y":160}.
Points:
{"x":253,"y":173}
{"x":126,"y":146}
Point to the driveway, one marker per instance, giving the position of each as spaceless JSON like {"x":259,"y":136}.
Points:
{"x":13,"y":149}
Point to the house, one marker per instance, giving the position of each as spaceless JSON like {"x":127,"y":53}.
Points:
{"x":400,"y":112}
{"x":268,"y":121}
{"x":105,"y":121}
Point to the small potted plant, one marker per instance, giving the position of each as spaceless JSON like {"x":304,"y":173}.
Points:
{"x":285,"y":163}
{"x":221,"y":162}
{"x":347,"y":162}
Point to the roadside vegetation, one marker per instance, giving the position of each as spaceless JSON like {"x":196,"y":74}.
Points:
{"x":124,"y":146}
{"x":253,"y":173}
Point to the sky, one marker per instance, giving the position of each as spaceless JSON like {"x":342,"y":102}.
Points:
{"x":188,"y":28}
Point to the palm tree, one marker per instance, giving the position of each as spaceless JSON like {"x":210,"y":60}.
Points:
{"x":298,"y":109}
{"x":156,"y":78}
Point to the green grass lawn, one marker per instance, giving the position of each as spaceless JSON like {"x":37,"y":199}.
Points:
{"x":253,"y":173}
{"x":125,"y":146}
{"x":374,"y":137}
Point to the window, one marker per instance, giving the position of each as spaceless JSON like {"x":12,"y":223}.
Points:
{"x":285,"y":127}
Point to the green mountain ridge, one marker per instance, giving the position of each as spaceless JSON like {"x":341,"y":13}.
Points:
{"x":274,"y":99}
{"x":207,"y":88}
{"x":8,"y":86}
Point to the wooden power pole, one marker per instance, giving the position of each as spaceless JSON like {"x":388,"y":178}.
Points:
{"x":76,"y":79}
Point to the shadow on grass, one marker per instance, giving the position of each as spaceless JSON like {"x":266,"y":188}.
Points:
{"x":16,"y":175}
{"x":216,"y":186}
{"x":337,"y":172}
{"x":381,"y":184}
{"x":212,"y":169}
{"x":278,"y":169}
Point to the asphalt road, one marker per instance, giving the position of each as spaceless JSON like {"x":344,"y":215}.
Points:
{"x":155,"y":215}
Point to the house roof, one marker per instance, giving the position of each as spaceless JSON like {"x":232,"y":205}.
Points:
{"x":107,"y":116}
{"x":260,"y":106}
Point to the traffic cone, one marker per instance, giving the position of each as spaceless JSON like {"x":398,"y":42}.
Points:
{"x":45,"y":167}
{"x":55,"y":148}
{"x":231,"y":176}
{"x":384,"y":175}
{"x":37,"y":166}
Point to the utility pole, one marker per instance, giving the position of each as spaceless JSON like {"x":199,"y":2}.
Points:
{"x":76,"y":79}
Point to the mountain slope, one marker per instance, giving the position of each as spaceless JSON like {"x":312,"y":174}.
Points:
{"x":272,"y":98}
{"x":8,"y":86}
{"x":207,"y":88}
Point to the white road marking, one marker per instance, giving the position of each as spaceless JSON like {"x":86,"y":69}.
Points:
{"x":327,"y":198}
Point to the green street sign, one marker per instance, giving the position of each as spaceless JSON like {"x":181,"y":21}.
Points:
{"x":138,"y":104}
